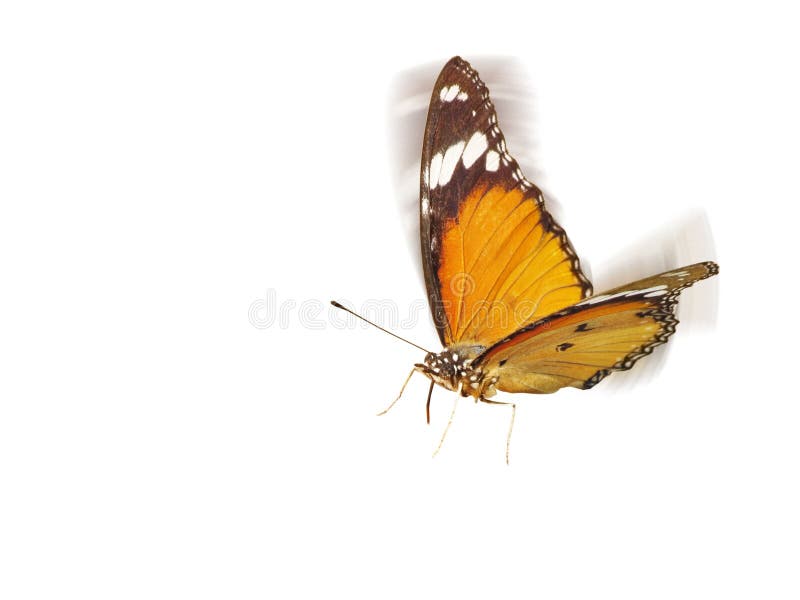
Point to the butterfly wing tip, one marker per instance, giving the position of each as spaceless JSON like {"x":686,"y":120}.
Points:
{"x":459,"y":63}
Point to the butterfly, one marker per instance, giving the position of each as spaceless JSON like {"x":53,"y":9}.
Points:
{"x":512,"y":307}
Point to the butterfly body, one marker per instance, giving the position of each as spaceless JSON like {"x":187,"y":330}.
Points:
{"x":452,"y":369}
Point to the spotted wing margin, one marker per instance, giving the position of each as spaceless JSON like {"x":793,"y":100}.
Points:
{"x":582,"y":344}
{"x":494,"y":259}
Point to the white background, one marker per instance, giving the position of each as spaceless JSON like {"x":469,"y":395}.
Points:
{"x":166,"y":167}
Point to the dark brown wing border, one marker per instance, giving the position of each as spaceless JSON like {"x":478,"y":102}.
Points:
{"x":461,"y":72}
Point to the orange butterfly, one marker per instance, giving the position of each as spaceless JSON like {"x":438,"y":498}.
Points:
{"x":511,"y":305}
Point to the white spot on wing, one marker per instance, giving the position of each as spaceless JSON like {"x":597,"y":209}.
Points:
{"x":462,"y":96}
{"x":448,"y":94}
{"x":492,"y":160}
{"x":449,"y":162}
{"x":475,"y":148}
{"x":658,"y":290}
{"x":663,"y":286}
{"x":436,"y":167}
{"x":594,"y":299}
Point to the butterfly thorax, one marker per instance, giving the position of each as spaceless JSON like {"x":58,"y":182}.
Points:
{"x":452,"y":369}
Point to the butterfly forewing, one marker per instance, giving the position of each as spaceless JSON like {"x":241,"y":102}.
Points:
{"x":580,"y":345}
{"x":494,"y":258}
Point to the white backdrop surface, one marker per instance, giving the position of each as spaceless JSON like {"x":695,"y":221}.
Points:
{"x":184,"y":186}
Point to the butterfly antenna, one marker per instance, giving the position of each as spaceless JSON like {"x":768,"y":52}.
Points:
{"x":344,"y":308}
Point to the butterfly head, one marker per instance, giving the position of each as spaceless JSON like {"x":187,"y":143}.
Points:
{"x":451,"y":369}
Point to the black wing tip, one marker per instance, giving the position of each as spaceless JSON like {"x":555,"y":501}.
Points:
{"x":459,"y":64}
{"x":456,"y":60}
{"x":712,"y":268}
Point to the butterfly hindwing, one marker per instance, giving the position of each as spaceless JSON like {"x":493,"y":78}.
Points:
{"x":580,"y":345}
{"x":494,"y":258}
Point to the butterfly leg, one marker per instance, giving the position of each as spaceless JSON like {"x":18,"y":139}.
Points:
{"x":447,"y":427}
{"x":510,"y":425}
{"x":428,"y":404}
{"x":402,"y":389}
